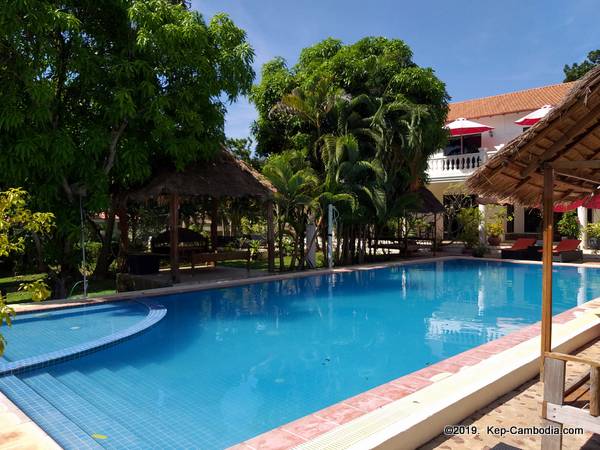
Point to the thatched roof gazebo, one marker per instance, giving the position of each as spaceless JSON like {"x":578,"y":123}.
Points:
{"x":224,"y":176}
{"x":555,"y":161}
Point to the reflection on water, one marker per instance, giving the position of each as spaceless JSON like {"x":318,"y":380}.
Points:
{"x":241,"y":361}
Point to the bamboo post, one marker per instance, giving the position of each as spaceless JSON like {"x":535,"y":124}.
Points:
{"x":548,"y":212}
{"x":174,"y":237}
{"x":270,"y":237}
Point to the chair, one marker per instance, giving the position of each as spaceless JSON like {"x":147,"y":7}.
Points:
{"x":577,"y":405}
{"x":567,"y":251}
{"x":519,"y":250}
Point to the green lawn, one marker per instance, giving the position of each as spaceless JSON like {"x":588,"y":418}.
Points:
{"x":96,"y":288}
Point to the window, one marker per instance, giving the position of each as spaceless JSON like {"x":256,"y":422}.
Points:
{"x":471,"y":143}
{"x":463,"y":144}
{"x":453,"y":147}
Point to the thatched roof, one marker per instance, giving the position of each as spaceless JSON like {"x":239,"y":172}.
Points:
{"x":429,"y":204}
{"x":570,"y":132}
{"x":222,"y":176}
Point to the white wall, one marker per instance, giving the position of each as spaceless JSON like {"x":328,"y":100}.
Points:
{"x":505,"y":129}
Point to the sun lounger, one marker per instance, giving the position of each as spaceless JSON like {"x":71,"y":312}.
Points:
{"x":567,"y":251}
{"x":577,"y":405}
{"x":519,"y":250}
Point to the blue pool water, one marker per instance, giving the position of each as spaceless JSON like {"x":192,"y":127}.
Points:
{"x":225,"y":365}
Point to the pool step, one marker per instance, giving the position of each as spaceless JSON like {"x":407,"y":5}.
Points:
{"x":108,"y":432}
{"x":189,"y":416}
{"x":128,"y":408}
{"x":64,"y":431}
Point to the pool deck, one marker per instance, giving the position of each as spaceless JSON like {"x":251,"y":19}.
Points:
{"x":354,"y":422}
{"x":520,"y":407}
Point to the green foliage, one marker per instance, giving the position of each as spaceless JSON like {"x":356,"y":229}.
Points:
{"x":378,"y":67}
{"x":568,"y":225}
{"x":17,"y":221}
{"x":296,"y":185}
{"x":480,"y":250}
{"x":593,"y":232}
{"x":469,"y":220}
{"x":99,"y":95}
{"x":366,"y":118}
{"x":576,"y":71}
{"x":494,"y":222}
{"x":242,"y":149}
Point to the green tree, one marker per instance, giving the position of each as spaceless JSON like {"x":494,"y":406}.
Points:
{"x":97,"y":96}
{"x":576,"y":71}
{"x":296,"y":186}
{"x":16,"y":223}
{"x":242,"y":149}
{"x":368,"y":119}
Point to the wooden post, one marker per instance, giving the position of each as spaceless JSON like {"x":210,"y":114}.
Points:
{"x":548,"y":212}
{"x":214,"y":223}
{"x":594,"y":391}
{"x":174,"y":237}
{"x":270,"y":237}
{"x":554,"y":388}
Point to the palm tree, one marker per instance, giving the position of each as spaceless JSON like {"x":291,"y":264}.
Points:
{"x":296,"y":185}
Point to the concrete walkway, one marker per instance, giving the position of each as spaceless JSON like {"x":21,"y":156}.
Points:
{"x":520,"y":407}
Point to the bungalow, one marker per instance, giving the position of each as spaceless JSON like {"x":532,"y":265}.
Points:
{"x":451,"y":166}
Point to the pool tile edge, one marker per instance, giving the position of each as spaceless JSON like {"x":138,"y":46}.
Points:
{"x":405,"y":388}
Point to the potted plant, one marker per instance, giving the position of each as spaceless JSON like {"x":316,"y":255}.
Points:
{"x":593,"y":232}
{"x":568,"y":226}
{"x":494,"y":232}
{"x":494,"y":226}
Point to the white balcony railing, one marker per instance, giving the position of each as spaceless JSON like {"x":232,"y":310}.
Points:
{"x":456,"y":167}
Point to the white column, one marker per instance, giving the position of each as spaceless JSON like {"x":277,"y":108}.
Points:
{"x":482,"y":209}
{"x":519,"y":219}
{"x":582,"y":216}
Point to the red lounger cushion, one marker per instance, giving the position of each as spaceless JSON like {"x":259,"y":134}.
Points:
{"x":568,"y":245}
{"x":522,"y":244}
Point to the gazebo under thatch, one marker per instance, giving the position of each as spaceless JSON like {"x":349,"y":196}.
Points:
{"x":224,"y":176}
{"x":428,"y":203}
{"x":555,"y":161}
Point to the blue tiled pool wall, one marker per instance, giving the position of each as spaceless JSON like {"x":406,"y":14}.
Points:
{"x":155,"y":313}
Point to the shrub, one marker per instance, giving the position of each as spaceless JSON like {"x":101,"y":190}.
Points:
{"x":469,"y":220}
{"x":479,"y":251}
{"x":593,"y":232}
{"x":568,"y":226}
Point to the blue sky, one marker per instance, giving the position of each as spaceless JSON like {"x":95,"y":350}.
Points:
{"x":478,"y":48}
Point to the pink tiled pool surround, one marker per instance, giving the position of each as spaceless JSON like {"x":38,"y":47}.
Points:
{"x":320,"y":422}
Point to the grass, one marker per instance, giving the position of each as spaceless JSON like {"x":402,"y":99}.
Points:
{"x":96,"y":288}
{"x":262,"y":264}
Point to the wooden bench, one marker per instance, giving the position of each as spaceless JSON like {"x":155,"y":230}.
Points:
{"x":214,"y":257}
{"x":577,"y":405}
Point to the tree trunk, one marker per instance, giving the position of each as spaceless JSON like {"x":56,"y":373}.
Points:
{"x":105,"y":256}
{"x":41,"y":265}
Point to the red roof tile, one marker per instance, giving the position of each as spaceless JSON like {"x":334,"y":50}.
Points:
{"x":527,"y":100}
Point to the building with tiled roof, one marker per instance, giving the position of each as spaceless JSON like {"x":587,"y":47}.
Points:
{"x":513,"y":102}
{"x":449,"y":167}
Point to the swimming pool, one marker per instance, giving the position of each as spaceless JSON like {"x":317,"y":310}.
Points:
{"x":227,"y":364}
